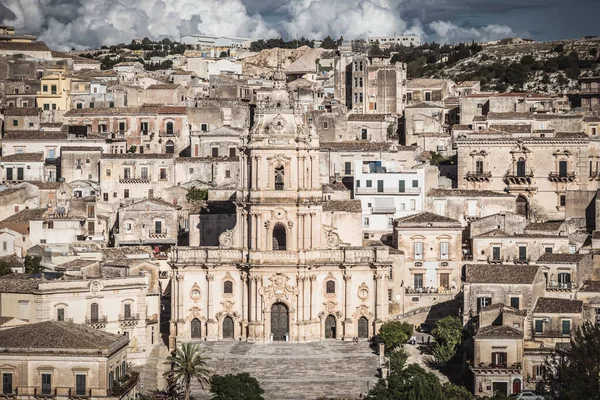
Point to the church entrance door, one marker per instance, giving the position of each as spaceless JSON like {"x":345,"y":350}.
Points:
{"x":279,"y":321}
{"x":363,"y":328}
{"x":330,"y":327}
{"x":227,"y":328}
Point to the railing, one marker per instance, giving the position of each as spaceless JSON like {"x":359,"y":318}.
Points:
{"x":99,"y":323}
{"x":515,"y":179}
{"x":130,"y":179}
{"x":478,"y":176}
{"x":52,"y":161}
{"x":442,"y":148}
{"x":505,"y":366}
{"x":383,"y":210}
{"x":158,"y":234}
{"x":387,"y":190}
{"x":347,"y":172}
{"x":492,"y":260}
{"x":559,"y":285}
{"x":590,"y":91}
{"x":558,"y":177}
{"x":468,"y":216}
{"x":131,"y":317}
{"x":168,"y":133}
{"x":429,"y":290}
{"x":521,"y":260}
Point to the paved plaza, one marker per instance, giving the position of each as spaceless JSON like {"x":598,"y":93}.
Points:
{"x":297,"y":370}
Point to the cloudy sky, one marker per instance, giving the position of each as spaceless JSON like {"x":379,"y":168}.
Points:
{"x":82,"y":24}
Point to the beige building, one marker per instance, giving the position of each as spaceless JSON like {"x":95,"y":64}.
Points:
{"x":63,"y":360}
{"x":261,"y":283}
{"x":147,"y":222}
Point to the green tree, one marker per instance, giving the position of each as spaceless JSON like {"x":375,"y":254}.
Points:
{"x":329,"y":43}
{"x":455,"y":392}
{"x":196,"y":196}
{"x":33,"y":264}
{"x":395,"y":333}
{"x":235,"y":387}
{"x":5,"y":268}
{"x":448,"y":330}
{"x":187,"y":364}
{"x":575,"y":373}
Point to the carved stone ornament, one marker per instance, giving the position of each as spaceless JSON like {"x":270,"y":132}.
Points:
{"x":95,"y":288}
{"x":267,"y":224}
{"x":363,"y":292}
{"x":330,"y":306}
{"x":333,"y":240}
{"x":226,"y":239}
{"x":227,"y":306}
{"x":279,"y":289}
{"x":195,"y":292}
{"x":362,"y":311}
{"x":278,"y":213}
{"x":278,"y":123}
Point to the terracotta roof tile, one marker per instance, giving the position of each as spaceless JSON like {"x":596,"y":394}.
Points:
{"x":590,"y":286}
{"x":363,"y":145}
{"x":509,"y":115}
{"x":352,"y":206}
{"x":546,"y":305}
{"x":510,"y":128}
{"x":136,"y":156}
{"x":498,"y":332}
{"x":81,"y":148}
{"x":23,"y":46}
{"x":34,"y":135}
{"x":367,"y":117}
{"x":23,"y":157}
{"x":501,"y":274}
{"x":423,"y":219}
{"x":22,"y":112}
{"x":465,"y":193}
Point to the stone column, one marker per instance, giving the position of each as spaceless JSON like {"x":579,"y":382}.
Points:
{"x":243,"y":281}
{"x":313,"y":305}
{"x":180,"y":296}
{"x":347,"y":304}
{"x":301,"y":297}
{"x":378,"y":296}
{"x":252,"y":291}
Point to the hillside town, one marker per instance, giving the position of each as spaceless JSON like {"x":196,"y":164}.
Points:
{"x":244,"y":199}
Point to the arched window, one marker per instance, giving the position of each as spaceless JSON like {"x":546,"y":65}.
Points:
{"x":228,"y":287}
{"x":118,"y":372}
{"x":111,"y":379}
{"x":279,"y":178}
{"x":521,"y":167}
{"x":170,"y":147}
{"x":279,"y":237}
{"x":330,"y":287}
{"x":94,"y":313}
{"x":170,"y":130}
{"x":195,"y":328}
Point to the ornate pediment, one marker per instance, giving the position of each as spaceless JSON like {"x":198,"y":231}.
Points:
{"x":279,"y":289}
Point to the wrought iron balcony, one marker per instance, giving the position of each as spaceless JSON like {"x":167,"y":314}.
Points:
{"x":161,"y":234}
{"x":130,"y":179}
{"x":52,"y":161}
{"x":97,"y":323}
{"x":564,"y":177}
{"x":554,"y":285}
{"x":383,"y":210}
{"x":590,"y":90}
{"x":521,"y":260}
{"x":517,"y":179}
{"x":478,"y":176}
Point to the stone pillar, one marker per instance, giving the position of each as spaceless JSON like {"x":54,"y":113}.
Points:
{"x":180,"y":316}
{"x":244,"y":282}
{"x":347,"y":309}
{"x":378,"y":296}
{"x":259,"y":230}
{"x":313,"y":305}
{"x":301,"y":297}
{"x":252,"y":290}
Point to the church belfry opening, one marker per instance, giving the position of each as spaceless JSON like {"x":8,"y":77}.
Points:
{"x":279,"y":178}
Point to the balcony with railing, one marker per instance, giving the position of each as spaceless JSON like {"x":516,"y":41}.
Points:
{"x":168,"y":133}
{"x":469,"y":216}
{"x":478,"y":176}
{"x":429,"y":291}
{"x":97,"y":323}
{"x":559,"y":286}
{"x":125,"y":388}
{"x":387,"y":190}
{"x":52,"y":161}
{"x":158,"y":234}
{"x":518,"y":179}
{"x":561,"y":176}
{"x":132,"y":179}
{"x":521,"y":260}
{"x":128,"y":321}
{"x":488,"y":367}
{"x":383,"y":210}
{"x":590,"y":90}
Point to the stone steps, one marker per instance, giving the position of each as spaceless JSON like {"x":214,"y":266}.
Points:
{"x":296,"y":371}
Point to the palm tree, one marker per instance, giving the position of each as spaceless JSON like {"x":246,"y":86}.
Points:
{"x":187,"y":364}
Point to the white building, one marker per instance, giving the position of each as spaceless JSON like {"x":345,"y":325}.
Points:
{"x":405,"y":40}
{"x":387,"y":190}
{"x":205,"y":67}
{"x":200,"y":41}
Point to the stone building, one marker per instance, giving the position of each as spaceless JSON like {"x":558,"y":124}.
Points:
{"x":147,"y":222}
{"x":22,"y":119}
{"x":538,"y":170}
{"x":80,"y":163}
{"x":590,"y":92}
{"x":114,"y":303}
{"x":432,"y":247}
{"x":63,"y":360}
{"x":426,"y":125}
{"x":21,"y":92}
{"x":262,"y":283}
{"x":429,"y":90}
{"x":22,"y":167}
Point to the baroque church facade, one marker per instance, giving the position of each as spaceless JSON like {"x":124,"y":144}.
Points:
{"x":288,"y":270}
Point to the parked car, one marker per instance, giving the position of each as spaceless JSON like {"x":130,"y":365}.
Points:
{"x":526,"y":396}
{"x":423,"y":328}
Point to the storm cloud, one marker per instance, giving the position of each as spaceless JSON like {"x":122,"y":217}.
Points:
{"x":80,"y":24}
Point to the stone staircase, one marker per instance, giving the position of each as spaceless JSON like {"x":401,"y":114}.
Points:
{"x":296,"y":370}
{"x":151,"y":373}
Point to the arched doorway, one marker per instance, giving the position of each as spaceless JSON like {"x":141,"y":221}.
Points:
{"x":516,"y":386}
{"x":279,"y":237}
{"x":330,"y":327}
{"x":279,"y":321}
{"x":363,"y":328}
{"x":195,"y":327}
{"x":522,"y":206}
{"x":227,"y":328}
{"x":170,"y":147}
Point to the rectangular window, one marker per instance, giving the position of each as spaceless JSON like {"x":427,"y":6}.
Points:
{"x":80,"y":389}
{"x":364,"y":134}
{"x":444,"y":250}
{"x":413,"y":204}
{"x":566,"y":327}
{"x":415,"y":183}
{"x":444,"y":281}
{"x":499,"y":358}
{"x":7,"y":383}
{"x":369,"y":183}
{"x":347,"y":168}
{"x":91,"y":104}
{"x":325,"y":124}
{"x":522,"y":253}
{"x":538,"y":372}
{"x":53,"y":89}
{"x":46,"y":384}
{"x":44,"y":88}
{"x":539,"y":326}
{"x":163,"y":174}
{"x":111,"y":104}
{"x":562,"y":169}
{"x":514,"y":302}
{"x":390,"y":294}
{"x":53,"y":106}
{"x":126,"y":173}
{"x":215,"y":151}
{"x":105,"y":196}
{"x":548,"y":250}
{"x":60,"y":314}
{"x":366,"y":221}
{"x":479,"y":167}
{"x":358,"y":183}
{"x":227,"y":174}
{"x":401,"y":187}
{"x":126,"y":193}
{"x":15,"y":122}
{"x":232,"y":152}
{"x":91,"y":211}
{"x":46,"y":107}
{"x":496,"y":253}
{"x":121,"y":128}
{"x":204,"y":127}
{"x":418,"y":249}
{"x":379,"y":186}
{"x":144,"y":173}
{"x":418,"y":281}
{"x":24,"y":310}
{"x":127,"y":310}
{"x":562,"y":200}
{"x":483,"y":302}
